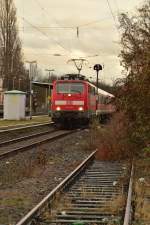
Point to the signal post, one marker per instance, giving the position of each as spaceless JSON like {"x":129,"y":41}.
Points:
{"x":97,"y":67}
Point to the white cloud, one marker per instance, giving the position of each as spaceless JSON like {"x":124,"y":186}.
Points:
{"x":94,"y":38}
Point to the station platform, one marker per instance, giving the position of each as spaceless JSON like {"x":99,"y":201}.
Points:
{"x":8,"y":124}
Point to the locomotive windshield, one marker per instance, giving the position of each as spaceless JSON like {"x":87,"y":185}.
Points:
{"x":70,"y":87}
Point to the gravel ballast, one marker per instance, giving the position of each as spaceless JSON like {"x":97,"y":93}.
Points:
{"x":5,"y":136}
{"x":26,"y":178}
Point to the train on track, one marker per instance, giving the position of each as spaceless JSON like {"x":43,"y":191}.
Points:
{"x":76,"y":100}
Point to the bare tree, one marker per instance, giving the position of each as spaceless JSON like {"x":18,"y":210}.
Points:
{"x":10,"y":53}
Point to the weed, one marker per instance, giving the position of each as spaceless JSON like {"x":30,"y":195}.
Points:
{"x":111,"y":140}
{"x":142,"y":192}
{"x":59,"y":204}
{"x":24,"y":168}
{"x":41,"y":158}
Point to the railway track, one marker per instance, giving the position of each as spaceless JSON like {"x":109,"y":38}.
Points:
{"x":94,"y":193}
{"x":21,"y":126}
{"x":14,"y":146}
{"x":15,"y":140}
{"x":11,"y":133}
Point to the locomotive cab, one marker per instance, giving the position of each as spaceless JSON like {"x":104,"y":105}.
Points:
{"x":69,"y":100}
{"x":75,"y":99}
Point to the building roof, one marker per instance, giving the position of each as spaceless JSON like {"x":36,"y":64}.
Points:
{"x":42,"y":84}
{"x":16,"y":92}
{"x":100,"y":91}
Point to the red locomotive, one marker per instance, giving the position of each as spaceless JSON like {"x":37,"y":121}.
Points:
{"x":76,"y":99}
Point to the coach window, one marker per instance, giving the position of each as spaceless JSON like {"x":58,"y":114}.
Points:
{"x":102,"y":99}
{"x":108,"y":100}
{"x":105,"y":100}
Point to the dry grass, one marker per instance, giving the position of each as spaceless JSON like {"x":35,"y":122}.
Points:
{"x":59,"y":203}
{"x":111,"y":140}
{"x":116,"y":205}
{"x":25,"y":168}
{"x":142,"y":210}
{"x":142,"y":192}
{"x":39,"y":119}
{"x":9,"y":200}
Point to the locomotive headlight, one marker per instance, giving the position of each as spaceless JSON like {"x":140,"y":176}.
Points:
{"x":58,"y":108}
{"x":80,"y":108}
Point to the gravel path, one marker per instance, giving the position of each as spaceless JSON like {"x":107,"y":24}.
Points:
{"x":28,"y":177}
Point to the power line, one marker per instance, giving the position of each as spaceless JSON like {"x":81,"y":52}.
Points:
{"x":71,"y":27}
{"x":51,"y":27}
{"x":94,"y":22}
{"x":116,"y":4}
{"x":36,"y":28}
{"x":77,"y":28}
{"x":109,"y":6}
{"x":40,"y":54}
{"x":43,"y":9}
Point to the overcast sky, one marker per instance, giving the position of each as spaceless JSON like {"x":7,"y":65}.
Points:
{"x":48,"y":27}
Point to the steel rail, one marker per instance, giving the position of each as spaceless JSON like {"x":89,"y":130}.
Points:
{"x":34,"y":216}
{"x":14,"y":140}
{"x":28,"y":146}
{"x":31,"y":217}
{"x":127,"y":218}
{"x":25,"y":127}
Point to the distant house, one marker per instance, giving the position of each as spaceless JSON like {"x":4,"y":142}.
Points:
{"x":41,"y":93}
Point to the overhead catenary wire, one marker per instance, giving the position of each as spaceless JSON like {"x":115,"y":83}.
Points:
{"x":44,"y":10}
{"x":72,"y":27}
{"x":116,"y":4}
{"x":39,"y":28}
{"x":42,"y":32}
{"x":111,"y":11}
{"x":67,"y":27}
{"x":39,"y":4}
{"x":76,"y":27}
{"x":54,"y":27}
{"x":63,"y":27}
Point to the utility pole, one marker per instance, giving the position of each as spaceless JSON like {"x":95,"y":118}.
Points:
{"x":49,"y":72}
{"x":31,"y":78}
{"x":20,"y":83}
{"x":49,"y":92}
{"x":14,"y":78}
{"x":2,"y":76}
